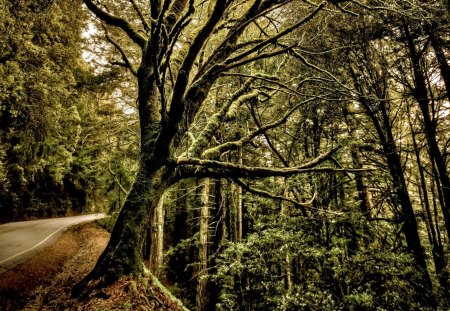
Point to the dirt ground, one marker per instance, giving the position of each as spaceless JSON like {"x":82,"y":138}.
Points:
{"x":45,"y":281}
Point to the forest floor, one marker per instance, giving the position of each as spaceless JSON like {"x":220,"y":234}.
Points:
{"x":45,"y":281}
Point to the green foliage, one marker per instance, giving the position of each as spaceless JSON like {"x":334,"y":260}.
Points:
{"x":53,"y":148}
{"x":39,"y":113}
{"x":179,"y":267}
{"x":328,"y":272}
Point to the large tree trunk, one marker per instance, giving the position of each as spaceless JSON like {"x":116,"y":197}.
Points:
{"x":123,"y":254}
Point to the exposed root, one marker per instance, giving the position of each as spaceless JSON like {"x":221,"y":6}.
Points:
{"x":129,"y":293}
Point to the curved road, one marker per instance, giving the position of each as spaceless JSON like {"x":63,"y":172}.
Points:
{"x":22,"y":240}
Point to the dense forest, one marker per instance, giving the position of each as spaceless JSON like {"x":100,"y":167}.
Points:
{"x":251,"y":154}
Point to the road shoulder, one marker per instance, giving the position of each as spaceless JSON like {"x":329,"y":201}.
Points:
{"x":25,"y":283}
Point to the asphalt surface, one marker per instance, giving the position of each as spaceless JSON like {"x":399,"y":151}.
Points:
{"x":22,"y":240}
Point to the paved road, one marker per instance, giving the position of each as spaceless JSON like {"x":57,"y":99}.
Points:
{"x":22,"y":240}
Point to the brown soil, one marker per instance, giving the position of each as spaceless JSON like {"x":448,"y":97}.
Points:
{"x":45,"y":281}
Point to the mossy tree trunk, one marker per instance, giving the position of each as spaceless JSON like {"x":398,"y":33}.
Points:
{"x":123,"y":254}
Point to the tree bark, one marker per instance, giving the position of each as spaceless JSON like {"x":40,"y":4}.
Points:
{"x":410,"y":228}
{"x":288,"y":257}
{"x":236,"y":211}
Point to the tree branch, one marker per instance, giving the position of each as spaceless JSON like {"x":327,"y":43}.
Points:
{"x":217,"y":150}
{"x":325,"y":72}
{"x":200,"y":167}
{"x":198,"y":90}
{"x":117,"y":22}
{"x":275,"y":80}
{"x":117,"y":180}
{"x":269,"y":195}
{"x":273,"y":39}
{"x":301,"y":205}
{"x":215,"y":169}
{"x":255,"y":58}
{"x":269,"y":141}
{"x":141,"y":16}
{"x":127,"y":62}
{"x":178,"y":107}
{"x":203,"y":139}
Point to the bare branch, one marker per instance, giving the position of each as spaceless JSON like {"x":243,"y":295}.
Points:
{"x":275,"y":80}
{"x":127,"y":62}
{"x":141,"y":16}
{"x":273,"y":39}
{"x":229,"y":44}
{"x":117,"y":22}
{"x":325,"y":72}
{"x":269,"y":141}
{"x":117,"y":180}
{"x":257,"y":57}
{"x":269,"y":195}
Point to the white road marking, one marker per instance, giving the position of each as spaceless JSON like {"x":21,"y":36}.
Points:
{"x":37,"y":245}
{"x":77,"y":221}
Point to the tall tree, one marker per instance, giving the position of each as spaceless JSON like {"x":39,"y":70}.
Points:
{"x":179,"y":65}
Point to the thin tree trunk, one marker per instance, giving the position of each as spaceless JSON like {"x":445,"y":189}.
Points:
{"x":383,"y":127}
{"x":157,"y":238}
{"x":436,"y":212}
{"x":287,"y":259}
{"x":238,"y":213}
{"x":438,"y":254}
{"x":410,"y":229}
{"x":237,"y":206}
{"x":421,"y":96}
{"x":224,"y":235}
{"x":201,"y":297}
{"x":365,"y":205}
